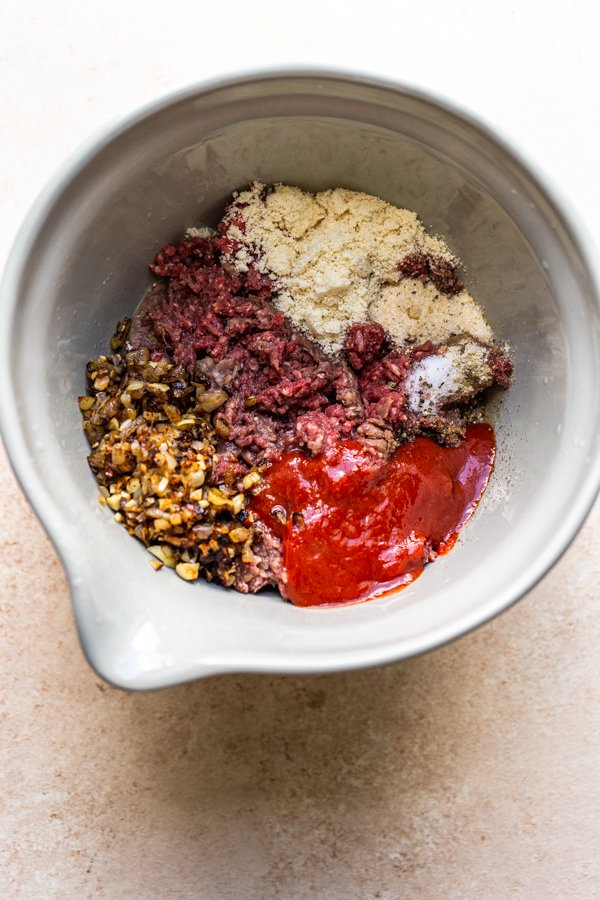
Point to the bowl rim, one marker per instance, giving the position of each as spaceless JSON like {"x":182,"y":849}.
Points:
{"x":55,"y":522}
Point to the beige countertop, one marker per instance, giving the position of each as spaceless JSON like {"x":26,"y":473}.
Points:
{"x":471,"y":772}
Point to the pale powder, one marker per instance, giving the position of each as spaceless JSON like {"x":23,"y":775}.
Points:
{"x":329,"y":254}
{"x":412,"y":309}
{"x":334,"y":259}
{"x":203,"y":231}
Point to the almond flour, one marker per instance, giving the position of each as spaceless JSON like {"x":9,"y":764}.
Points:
{"x":411,"y":309}
{"x":334,"y":258}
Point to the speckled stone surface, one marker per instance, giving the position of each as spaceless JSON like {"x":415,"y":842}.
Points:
{"x":469,"y":773}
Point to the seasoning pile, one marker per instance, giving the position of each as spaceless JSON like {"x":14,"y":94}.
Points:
{"x":306,"y":327}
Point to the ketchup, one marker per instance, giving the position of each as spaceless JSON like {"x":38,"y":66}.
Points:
{"x":355,"y":526}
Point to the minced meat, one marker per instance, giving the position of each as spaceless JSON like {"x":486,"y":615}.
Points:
{"x":266,"y":387}
{"x":284,"y":391}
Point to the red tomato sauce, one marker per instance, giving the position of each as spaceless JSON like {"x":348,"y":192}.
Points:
{"x":355,"y":527}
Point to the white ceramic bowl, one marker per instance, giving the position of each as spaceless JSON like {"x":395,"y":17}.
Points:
{"x":80,"y":263}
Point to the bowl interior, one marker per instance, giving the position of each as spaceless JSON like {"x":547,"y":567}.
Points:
{"x":82,"y":264}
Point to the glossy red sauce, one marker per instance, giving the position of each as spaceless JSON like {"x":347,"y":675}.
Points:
{"x":355,"y":526}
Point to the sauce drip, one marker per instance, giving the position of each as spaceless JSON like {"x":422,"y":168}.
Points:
{"x":355,"y":526}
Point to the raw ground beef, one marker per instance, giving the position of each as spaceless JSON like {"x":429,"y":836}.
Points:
{"x":429,"y":268}
{"x":282,"y":390}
